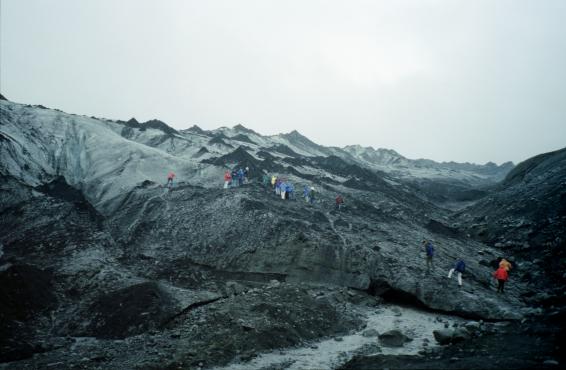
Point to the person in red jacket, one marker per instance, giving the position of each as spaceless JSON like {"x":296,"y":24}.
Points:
{"x":170,"y":178}
{"x":227,"y":179}
{"x":501,"y":275}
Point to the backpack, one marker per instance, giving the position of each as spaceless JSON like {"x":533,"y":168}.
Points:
{"x":460,"y":266}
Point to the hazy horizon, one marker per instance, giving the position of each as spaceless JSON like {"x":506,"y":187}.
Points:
{"x":441,"y":80}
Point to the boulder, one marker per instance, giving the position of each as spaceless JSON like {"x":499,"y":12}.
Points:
{"x":447,"y":336}
{"x":443,"y":336}
{"x":472,"y":326}
{"x":460,"y":335}
{"x":393,"y":338}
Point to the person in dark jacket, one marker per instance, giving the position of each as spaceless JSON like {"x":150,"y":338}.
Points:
{"x":502,"y":276}
{"x":311,"y":197}
{"x":429,"y":251}
{"x":459,"y":267}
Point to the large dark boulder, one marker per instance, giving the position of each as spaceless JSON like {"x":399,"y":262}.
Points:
{"x":393,"y":338}
{"x":443,"y":336}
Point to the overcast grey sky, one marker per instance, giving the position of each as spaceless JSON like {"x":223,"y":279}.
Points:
{"x":473,"y":81}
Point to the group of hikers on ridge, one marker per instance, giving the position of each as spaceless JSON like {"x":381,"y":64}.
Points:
{"x":236,"y":178}
{"x":284,"y":188}
{"x":280,"y":185}
{"x":501,"y":274}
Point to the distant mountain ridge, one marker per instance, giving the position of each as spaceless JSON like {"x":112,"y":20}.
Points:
{"x":288,"y":152}
{"x":387,"y":160}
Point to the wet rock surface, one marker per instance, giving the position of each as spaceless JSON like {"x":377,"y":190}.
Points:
{"x":531,"y":345}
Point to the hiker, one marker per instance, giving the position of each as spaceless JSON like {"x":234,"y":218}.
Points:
{"x":278,"y":186}
{"x":234,"y":177}
{"x":240,"y":177}
{"x":460,"y":267}
{"x":429,"y":250}
{"x":273,"y":181}
{"x":227,"y":179}
{"x":311,"y":197}
{"x":505,"y":264}
{"x":306,"y":193}
{"x":246,"y":174}
{"x":283,"y":189}
{"x":170,"y":178}
{"x":339,"y":202}
{"x":290,"y":191}
{"x":265,"y":180}
{"x":501,"y":275}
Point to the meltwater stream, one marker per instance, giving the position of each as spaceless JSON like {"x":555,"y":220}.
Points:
{"x":332,"y":353}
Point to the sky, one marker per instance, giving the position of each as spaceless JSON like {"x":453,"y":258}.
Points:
{"x":448,"y":80}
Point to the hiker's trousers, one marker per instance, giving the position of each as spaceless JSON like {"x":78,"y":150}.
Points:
{"x":459,"y":276}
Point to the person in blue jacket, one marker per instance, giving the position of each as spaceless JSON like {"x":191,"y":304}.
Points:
{"x":459,"y":267}
{"x":429,"y":251}
{"x":306,"y":193}
{"x":240,"y":177}
{"x":290,"y":191}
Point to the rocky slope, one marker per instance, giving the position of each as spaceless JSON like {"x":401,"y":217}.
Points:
{"x":527,"y":207}
{"x":525,"y":217}
{"x":90,"y":234}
